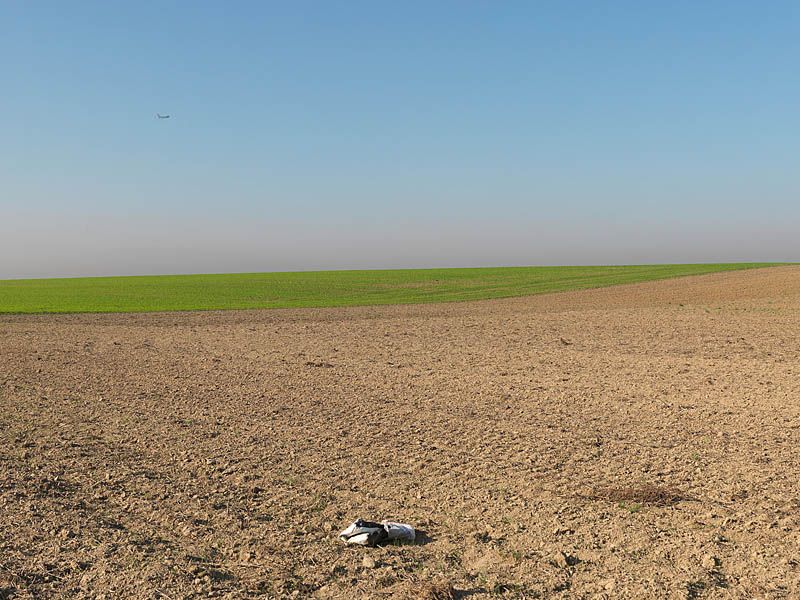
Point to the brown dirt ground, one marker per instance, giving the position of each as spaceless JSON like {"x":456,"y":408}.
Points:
{"x":631,"y":442}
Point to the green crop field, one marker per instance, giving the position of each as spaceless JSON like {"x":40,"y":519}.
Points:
{"x":320,"y":288}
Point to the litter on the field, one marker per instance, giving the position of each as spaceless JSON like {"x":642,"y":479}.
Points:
{"x":370,"y":533}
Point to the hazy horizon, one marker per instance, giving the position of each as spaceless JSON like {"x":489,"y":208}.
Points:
{"x":313,"y":137}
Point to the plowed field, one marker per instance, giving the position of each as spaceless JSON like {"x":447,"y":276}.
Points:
{"x":638,"y":441}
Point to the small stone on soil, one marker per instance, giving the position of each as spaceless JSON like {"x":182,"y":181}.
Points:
{"x":368,"y":562}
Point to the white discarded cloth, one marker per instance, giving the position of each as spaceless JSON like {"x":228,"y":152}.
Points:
{"x":400,"y":531}
{"x":370,"y":533}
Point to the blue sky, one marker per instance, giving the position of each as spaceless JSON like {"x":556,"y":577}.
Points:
{"x":310,"y":135}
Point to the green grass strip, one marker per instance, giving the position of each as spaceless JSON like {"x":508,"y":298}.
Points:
{"x":321,"y":288}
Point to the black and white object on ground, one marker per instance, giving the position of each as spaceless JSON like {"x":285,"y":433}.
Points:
{"x":370,"y":533}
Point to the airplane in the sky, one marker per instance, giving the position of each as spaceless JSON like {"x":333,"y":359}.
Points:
{"x":160,"y":116}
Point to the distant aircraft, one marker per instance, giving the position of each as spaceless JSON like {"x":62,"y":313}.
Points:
{"x":159,"y":116}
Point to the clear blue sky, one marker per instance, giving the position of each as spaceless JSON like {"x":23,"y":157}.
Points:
{"x":311,"y":135}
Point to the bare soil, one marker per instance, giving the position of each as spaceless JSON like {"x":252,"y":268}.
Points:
{"x":639,"y":441}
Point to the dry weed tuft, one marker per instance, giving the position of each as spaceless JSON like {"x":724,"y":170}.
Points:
{"x":433,"y":591}
{"x":653,"y":495}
